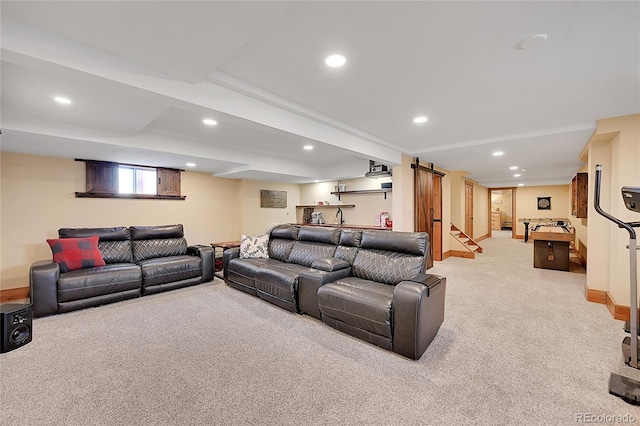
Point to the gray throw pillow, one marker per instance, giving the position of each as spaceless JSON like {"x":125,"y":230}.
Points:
{"x":254,"y":247}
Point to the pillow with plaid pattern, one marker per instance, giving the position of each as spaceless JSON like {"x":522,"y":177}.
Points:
{"x":254,"y":247}
{"x":76,"y":253}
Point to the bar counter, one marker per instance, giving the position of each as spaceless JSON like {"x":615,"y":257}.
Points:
{"x":344,"y":225}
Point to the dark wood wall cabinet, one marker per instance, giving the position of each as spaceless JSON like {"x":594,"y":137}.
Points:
{"x":169,"y":182}
{"x":102,"y":182}
{"x":579,"y":192}
{"x":101,"y":178}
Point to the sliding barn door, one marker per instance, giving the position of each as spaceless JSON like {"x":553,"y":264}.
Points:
{"x":428,"y":208}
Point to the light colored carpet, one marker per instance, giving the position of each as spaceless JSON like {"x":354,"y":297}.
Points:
{"x":519,"y":345}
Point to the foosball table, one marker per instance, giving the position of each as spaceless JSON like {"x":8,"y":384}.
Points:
{"x":552,"y":238}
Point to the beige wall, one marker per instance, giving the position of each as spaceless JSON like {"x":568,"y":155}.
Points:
{"x":255,"y":220}
{"x":615,"y":144}
{"x":480,"y":211}
{"x":403,"y":196}
{"x":38,"y":198}
{"x":446,"y":211}
{"x":456,"y":185}
{"x":527,"y":204}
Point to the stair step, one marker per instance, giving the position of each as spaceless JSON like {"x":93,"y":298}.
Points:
{"x":464,"y":240}
{"x":473,"y":248}
{"x":456,"y":233}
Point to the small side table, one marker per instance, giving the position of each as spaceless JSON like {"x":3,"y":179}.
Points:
{"x":224,"y":245}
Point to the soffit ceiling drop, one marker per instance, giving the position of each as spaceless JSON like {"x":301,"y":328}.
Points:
{"x":143,"y":75}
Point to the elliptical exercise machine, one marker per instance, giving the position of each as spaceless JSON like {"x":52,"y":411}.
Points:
{"x":621,"y":386}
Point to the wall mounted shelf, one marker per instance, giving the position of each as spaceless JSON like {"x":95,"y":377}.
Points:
{"x":327,"y":206}
{"x":364,"y":191}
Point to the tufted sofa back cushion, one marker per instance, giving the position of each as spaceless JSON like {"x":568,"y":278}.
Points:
{"x":286,"y":232}
{"x":113,"y":243}
{"x":281,"y":240}
{"x":386,"y":266}
{"x":404,"y":242}
{"x":305,"y":253}
{"x":156,"y":232}
{"x":390,"y":257}
{"x":319,"y":234}
{"x":348,"y":254}
{"x":157,"y":241}
{"x":350,"y":237}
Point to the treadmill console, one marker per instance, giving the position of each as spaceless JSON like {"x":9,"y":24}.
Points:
{"x":631,"y":197}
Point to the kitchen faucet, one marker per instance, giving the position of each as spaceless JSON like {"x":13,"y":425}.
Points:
{"x":339,"y":212}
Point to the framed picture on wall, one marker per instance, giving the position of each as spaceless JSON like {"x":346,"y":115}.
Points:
{"x":544,"y":203}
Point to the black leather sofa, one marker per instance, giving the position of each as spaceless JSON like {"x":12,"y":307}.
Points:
{"x":370,"y":284}
{"x":139,"y":260}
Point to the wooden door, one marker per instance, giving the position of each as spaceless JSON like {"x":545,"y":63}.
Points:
{"x":428,"y":209}
{"x":436,"y":234}
{"x":468,"y":208}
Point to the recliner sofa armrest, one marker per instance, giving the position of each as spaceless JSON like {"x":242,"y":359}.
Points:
{"x":309,"y":283}
{"x":43,"y":283}
{"x":418,"y":312}
{"x":232,"y":253}
{"x":206,"y":254}
{"x":330,"y":264}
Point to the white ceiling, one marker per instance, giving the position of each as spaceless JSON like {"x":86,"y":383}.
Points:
{"x":143,"y":75}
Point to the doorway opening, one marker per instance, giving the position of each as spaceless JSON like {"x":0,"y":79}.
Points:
{"x":502,"y":212}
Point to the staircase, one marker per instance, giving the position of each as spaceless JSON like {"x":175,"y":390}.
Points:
{"x":463,"y":245}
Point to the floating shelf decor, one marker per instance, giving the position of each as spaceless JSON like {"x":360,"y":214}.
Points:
{"x":364,"y":191}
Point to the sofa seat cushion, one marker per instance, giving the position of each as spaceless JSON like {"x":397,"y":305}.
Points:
{"x":243,"y":271}
{"x":360,"y":303}
{"x":169,"y":269}
{"x":280,"y":281}
{"x":86,"y":283}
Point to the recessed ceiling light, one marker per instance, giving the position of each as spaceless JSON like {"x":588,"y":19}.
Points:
{"x":513,"y":168}
{"x":209,"y":122}
{"x":62,"y":100}
{"x":498,"y":153}
{"x":523,"y":170}
{"x":191,"y":164}
{"x":420,"y":119}
{"x":533,"y":41}
{"x":308,"y":147}
{"x":335,"y":61}
{"x":521,"y":184}
{"x":517,"y":175}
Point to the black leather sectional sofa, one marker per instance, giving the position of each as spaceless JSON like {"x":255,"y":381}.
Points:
{"x":368,"y":283}
{"x":139,"y":260}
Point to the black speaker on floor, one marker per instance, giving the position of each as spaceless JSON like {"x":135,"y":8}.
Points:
{"x":15,"y":326}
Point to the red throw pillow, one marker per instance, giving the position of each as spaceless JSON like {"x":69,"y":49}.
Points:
{"x":76,"y":253}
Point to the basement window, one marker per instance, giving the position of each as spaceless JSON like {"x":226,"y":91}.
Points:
{"x":118,"y":180}
{"x":137,"y":180}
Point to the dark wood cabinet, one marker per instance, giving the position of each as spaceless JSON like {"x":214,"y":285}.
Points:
{"x":102,"y":177}
{"x":168,"y":182}
{"x":102,"y":181}
{"x":579,"y":195}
